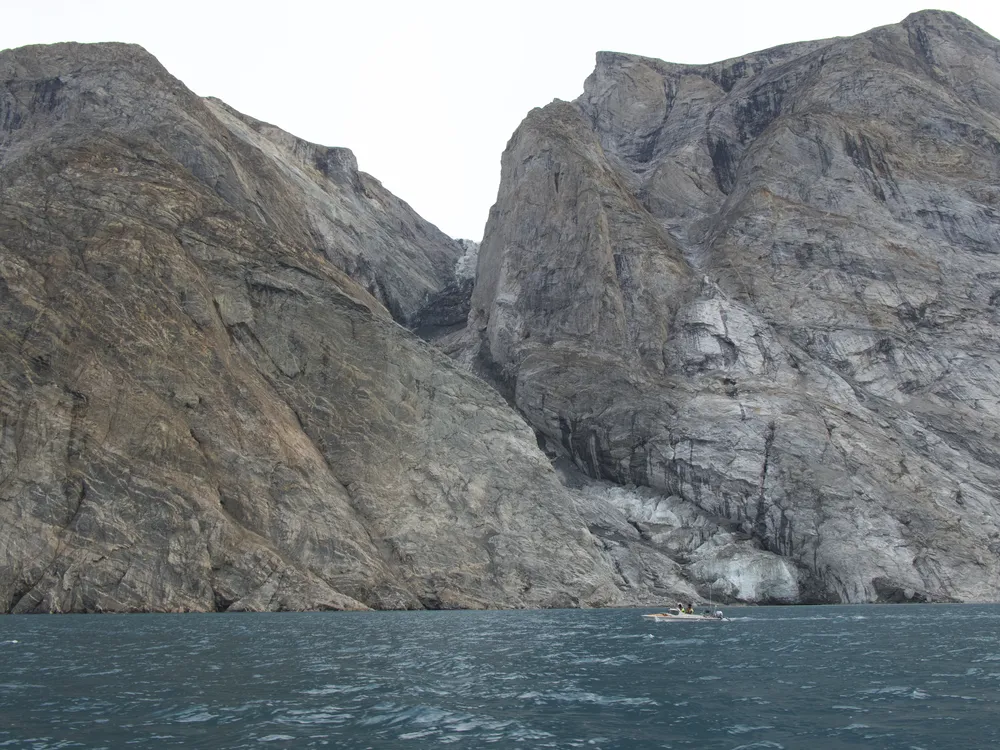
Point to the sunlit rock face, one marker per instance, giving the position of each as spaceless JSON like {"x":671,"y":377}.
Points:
{"x":767,"y":289}
{"x":206,"y":399}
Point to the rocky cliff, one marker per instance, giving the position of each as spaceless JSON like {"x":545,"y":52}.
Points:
{"x":206,"y":399}
{"x":735,"y":328}
{"x":765,"y":290}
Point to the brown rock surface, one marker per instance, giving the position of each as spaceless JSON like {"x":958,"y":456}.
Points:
{"x":199,"y":410}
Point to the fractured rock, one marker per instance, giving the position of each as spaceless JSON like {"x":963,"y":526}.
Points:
{"x":766,"y":286}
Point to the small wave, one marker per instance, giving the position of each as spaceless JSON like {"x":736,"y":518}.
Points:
{"x":746,"y":728}
{"x":754,"y":699}
{"x":611,"y":661}
{"x":417,"y":735}
{"x":276,"y":738}
{"x":391,"y":714}
{"x":682,"y":641}
{"x":526,"y":735}
{"x":342,"y":689}
{"x":431,"y":720}
{"x":579,"y":696}
{"x":510,"y":677}
{"x":306,"y":717}
{"x":898,"y":690}
{"x":628,"y":636}
{"x":454,"y":728}
{"x":806,"y":618}
{"x":195,"y":718}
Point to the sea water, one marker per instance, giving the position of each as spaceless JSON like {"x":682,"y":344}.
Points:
{"x":904,"y":676}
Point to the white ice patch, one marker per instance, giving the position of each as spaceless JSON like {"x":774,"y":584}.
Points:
{"x":635,"y":506}
{"x":728,"y":564}
{"x":465,"y":268}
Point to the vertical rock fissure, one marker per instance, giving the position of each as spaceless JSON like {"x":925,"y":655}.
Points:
{"x":760,"y":519}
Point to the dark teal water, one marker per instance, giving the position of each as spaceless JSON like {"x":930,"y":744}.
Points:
{"x":803,"y":677}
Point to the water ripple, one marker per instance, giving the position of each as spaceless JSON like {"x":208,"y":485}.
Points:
{"x":879,"y":677}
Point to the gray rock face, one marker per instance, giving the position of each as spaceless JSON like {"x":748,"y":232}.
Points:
{"x":766,"y":290}
{"x":748,"y":311}
{"x":448,"y":311}
{"x":313,"y":195}
{"x":201,"y":406}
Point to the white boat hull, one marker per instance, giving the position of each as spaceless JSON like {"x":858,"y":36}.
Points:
{"x":666,"y":617}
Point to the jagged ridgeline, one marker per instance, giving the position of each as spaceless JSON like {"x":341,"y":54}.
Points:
{"x":735,"y":330}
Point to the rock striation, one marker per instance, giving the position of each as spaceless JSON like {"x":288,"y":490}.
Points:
{"x":763,"y":294}
{"x":207,"y":401}
{"x":732,"y":331}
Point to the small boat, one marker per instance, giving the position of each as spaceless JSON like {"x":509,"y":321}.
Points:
{"x":676,"y":615}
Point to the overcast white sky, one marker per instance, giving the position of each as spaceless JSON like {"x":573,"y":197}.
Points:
{"x":427,"y":94}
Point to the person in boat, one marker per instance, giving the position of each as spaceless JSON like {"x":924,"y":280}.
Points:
{"x":690,"y":609}
{"x":718,"y":614}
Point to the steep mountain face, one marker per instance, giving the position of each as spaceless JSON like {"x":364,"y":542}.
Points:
{"x":205,"y":403}
{"x":312,"y":195}
{"x":765,"y":291}
{"x":748,"y":310}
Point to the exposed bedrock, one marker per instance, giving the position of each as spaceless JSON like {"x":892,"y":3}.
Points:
{"x":205,"y":403}
{"x":768,"y":288}
{"x":740,"y":319}
{"x":312,"y":195}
